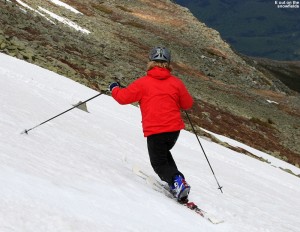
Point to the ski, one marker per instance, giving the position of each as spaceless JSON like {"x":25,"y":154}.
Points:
{"x":160,"y":187}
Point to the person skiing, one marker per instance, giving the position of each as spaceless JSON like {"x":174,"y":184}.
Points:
{"x":161,"y":96}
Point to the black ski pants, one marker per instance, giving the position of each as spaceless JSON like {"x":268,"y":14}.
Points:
{"x":159,"y":146}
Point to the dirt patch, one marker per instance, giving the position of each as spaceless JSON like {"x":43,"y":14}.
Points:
{"x":253,"y":132}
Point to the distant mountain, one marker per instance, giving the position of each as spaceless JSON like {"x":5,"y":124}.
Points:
{"x":256,"y":28}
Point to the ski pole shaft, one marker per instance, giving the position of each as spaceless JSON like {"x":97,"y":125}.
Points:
{"x":188,"y":117}
{"x":27,"y":130}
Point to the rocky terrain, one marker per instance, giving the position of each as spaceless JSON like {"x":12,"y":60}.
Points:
{"x":237,"y":96}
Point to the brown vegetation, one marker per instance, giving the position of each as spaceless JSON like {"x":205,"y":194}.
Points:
{"x":254,"y":132}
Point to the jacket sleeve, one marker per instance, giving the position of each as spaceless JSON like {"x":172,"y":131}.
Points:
{"x":186,"y":100}
{"x":128,"y":95}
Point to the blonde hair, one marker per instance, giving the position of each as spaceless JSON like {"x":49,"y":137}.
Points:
{"x":152,"y":64}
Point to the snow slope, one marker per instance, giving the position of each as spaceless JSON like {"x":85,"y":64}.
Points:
{"x":74,"y":172}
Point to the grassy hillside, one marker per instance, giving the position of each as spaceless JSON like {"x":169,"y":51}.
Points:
{"x":253,"y":27}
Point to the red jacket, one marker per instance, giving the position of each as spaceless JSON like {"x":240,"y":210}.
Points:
{"x":161,"y":97}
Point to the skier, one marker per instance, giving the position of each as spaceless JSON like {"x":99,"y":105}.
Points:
{"x":161,"y":96}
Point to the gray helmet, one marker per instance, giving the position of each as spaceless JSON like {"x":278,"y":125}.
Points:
{"x":160,"y":53}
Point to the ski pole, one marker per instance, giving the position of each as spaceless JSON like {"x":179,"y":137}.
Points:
{"x":27,"y":130}
{"x":219,"y":187}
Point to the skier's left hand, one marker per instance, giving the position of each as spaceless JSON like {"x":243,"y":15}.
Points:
{"x":113,"y":85}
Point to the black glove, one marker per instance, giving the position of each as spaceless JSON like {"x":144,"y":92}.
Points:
{"x":113,"y":85}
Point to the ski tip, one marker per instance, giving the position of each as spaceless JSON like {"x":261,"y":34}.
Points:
{"x":215,"y":220}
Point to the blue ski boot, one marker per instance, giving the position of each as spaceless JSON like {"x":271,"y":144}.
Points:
{"x":180,"y":189}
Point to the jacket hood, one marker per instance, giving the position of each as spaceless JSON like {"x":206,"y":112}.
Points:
{"x":159,"y":73}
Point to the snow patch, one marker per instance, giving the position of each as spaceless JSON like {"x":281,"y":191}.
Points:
{"x":272,"y":102}
{"x":65,"y":21}
{"x":30,"y":8}
{"x":59,"y":3}
{"x":73,"y":174}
